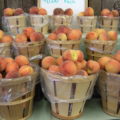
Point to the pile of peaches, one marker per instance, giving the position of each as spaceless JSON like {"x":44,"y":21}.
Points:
{"x":37,"y":11}
{"x":110,"y":64}
{"x":108,"y":13}
{"x":101,"y":34}
{"x":60,"y":11}
{"x":64,"y":33}
{"x":13,"y":12}
{"x":29,"y":35}
{"x":14,"y":68}
{"x":88,"y":12}
{"x":71,"y":63}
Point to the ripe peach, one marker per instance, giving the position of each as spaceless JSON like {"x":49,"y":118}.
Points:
{"x":83,"y":73}
{"x":62,"y":36}
{"x":117,"y":56}
{"x":7,"y":39}
{"x":1,"y":34}
{"x":93,"y":67}
{"x":21,"y":38}
{"x":18,"y":11}
{"x":36,"y":36}
{"x":112,"y":35}
{"x":1,"y":76}
{"x":81,"y":14}
{"x":54,"y":69}
{"x":115,"y":13}
{"x":9,"y":60}
{"x":28,"y":31}
{"x":48,"y":61}
{"x":22,"y":60}
{"x":42,"y":11}
{"x":91,"y":36}
{"x":84,"y":64}
{"x":58,"y":11}
{"x":12,"y":74}
{"x":103,"y":61}
{"x":52,"y":36}
{"x":113,"y":66}
{"x":68,"y":12}
{"x":3,"y":64}
{"x":8,"y":12}
{"x":74,"y":55}
{"x":26,"y":70}
{"x":105,"y":12}
{"x":103,"y":36}
{"x":59,"y":60}
{"x":68,"y":68}
{"x":12,"y":67}
{"x":33,"y":10}
{"x":89,"y":11}
{"x":74,"y":34}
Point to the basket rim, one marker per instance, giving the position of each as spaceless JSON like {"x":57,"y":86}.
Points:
{"x":17,"y":16}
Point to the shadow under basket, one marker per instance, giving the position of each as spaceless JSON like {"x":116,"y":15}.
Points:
{"x":67,"y":95}
{"x":96,"y":48}
{"x":39,"y":23}
{"x":109,"y":85}
{"x":56,"y":47}
{"x":86,"y":23}
{"x":14,"y":24}
{"x":109,"y":23}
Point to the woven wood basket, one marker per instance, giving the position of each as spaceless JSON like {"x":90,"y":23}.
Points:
{"x":14,"y":24}
{"x":96,"y":49}
{"x":67,"y":94}
{"x":86,"y":23}
{"x":39,"y":23}
{"x":59,"y":20}
{"x":109,"y":85}
{"x":109,"y":23}
{"x":57,"y":47}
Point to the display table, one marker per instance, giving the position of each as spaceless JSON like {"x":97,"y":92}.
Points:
{"x":92,"y":111}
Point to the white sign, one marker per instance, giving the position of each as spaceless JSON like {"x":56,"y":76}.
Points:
{"x":76,"y":5}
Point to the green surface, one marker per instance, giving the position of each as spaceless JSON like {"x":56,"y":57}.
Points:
{"x":92,"y":111}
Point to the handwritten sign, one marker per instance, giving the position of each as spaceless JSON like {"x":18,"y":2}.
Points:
{"x":76,"y":5}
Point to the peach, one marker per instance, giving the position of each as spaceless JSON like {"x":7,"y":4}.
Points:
{"x":83,"y":73}
{"x":81,"y":14}
{"x":62,"y":36}
{"x":93,"y":67}
{"x":110,"y":15}
{"x":59,"y":60}
{"x":74,"y":55}
{"x":1,"y":34}
{"x":54,"y":69}
{"x":91,"y":36}
{"x":79,"y":66}
{"x":48,"y":61}
{"x":7,"y":39}
{"x":9,"y":60}
{"x":113,"y":66}
{"x":105,"y":12}
{"x":117,"y":56}
{"x":33,"y":10}
{"x":74,"y":34}
{"x":28,"y":31}
{"x":21,"y":38}
{"x":68,"y":68}
{"x":58,"y":11}
{"x":89,"y":11}
{"x":36,"y":36}
{"x":112,"y":35}
{"x":42,"y":11}
{"x":22,"y":60}
{"x":115,"y":13}
{"x":1,"y":76}
{"x":68,"y":12}
{"x":18,"y":11}
{"x":103,"y":61}
{"x":3,"y":64}
{"x":12,"y":67}
{"x":84,"y":64}
{"x":8,"y":12}
{"x":25,"y":70}
{"x":13,"y":74}
{"x":103,"y":36}
{"x":52,"y":36}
